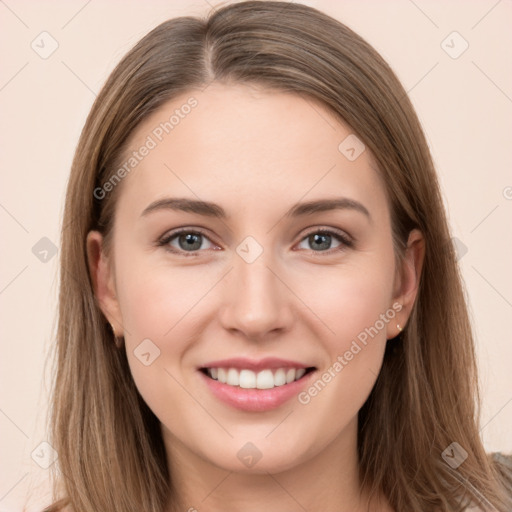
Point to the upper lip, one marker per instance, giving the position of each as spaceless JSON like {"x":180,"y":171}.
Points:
{"x":243,"y":363}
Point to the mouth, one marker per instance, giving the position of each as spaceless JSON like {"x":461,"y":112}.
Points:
{"x":256,"y":389}
{"x":267,"y":378}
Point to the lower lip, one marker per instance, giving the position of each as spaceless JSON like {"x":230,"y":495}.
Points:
{"x":256,"y":400}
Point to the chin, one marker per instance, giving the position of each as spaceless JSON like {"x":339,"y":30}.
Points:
{"x":249,"y":459}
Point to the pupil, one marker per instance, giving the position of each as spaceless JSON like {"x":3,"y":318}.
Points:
{"x":319,"y":237}
{"x":190,"y":239}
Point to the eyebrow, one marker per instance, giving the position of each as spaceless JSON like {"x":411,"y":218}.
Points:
{"x":209,"y":209}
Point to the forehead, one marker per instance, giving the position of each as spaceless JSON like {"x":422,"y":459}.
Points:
{"x":246,"y":147}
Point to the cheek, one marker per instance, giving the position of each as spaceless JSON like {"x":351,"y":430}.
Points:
{"x":353,"y":301}
{"x":356,"y":307}
{"x":163,"y":309}
{"x":157,"y":304}
{"x":157,"y":299}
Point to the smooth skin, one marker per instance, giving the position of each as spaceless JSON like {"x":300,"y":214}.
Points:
{"x":255,"y":153}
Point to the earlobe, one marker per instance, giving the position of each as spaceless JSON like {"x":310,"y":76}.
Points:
{"x":408,"y":281}
{"x":103,"y":280}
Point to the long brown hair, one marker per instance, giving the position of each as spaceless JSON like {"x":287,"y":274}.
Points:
{"x":109,"y":443}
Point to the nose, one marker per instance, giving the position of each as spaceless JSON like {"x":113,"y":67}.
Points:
{"x":256,"y":302}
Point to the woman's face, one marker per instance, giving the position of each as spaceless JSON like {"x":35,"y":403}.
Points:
{"x":265,"y":280}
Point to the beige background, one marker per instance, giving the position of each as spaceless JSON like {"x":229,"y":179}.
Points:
{"x":464,"y":103}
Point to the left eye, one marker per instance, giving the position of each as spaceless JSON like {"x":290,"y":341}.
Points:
{"x":324,"y":238}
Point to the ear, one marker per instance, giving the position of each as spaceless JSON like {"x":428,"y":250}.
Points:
{"x":102,"y":276}
{"x":407,"y":281}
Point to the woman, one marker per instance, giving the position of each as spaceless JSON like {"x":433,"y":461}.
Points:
{"x":211,"y":355}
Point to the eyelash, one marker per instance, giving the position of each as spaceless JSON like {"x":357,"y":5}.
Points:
{"x":346,"y":242}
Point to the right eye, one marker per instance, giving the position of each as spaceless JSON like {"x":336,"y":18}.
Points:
{"x":184,"y":241}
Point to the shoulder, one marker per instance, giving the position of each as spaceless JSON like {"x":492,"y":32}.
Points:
{"x":503,"y":458}
{"x":502,"y":462}
{"x":502,"y":465}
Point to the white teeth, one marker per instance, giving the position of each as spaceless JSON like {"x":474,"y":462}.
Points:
{"x":233,"y":378}
{"x":279,"y":377}
{"x":290,"y":375}
{"x":265,"y":379}
{"x":247,"y":379}
{"x":221,"y":375}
